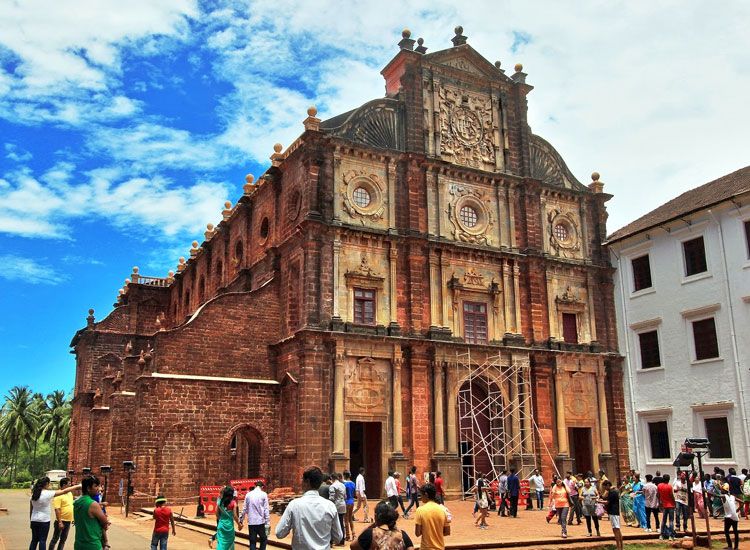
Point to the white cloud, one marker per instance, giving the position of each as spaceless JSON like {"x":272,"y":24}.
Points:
{"x":26,"y":270}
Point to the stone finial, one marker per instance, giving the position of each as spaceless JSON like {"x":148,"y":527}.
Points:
{"x":128,"y":347}
{"x":519,"y":75}
{"x":276,"y":157}
{"x":596,"y":186}
{"x":181,"y":265}
{"x":227,"y":212}
{"x":406,"y":42}
{"x":135,"y":276}
{"x":420,"y":46}
{"x":498,"y":65}
{"x":127,"y":282}
{"x":312,"y":123}
{"x":90,"y":319}
{"x":141,"y":360}
{"x":194,"y":250}
{"x":210,"y":231}
{"x":459,"y":39}
{"x":170,"y":277}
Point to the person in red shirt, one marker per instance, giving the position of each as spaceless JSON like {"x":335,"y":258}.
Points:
{"x":439,"y":487}
{"x":666,"y":498}
{"x":162,"y":518}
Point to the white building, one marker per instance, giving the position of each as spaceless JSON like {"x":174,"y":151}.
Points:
{"x":682,"y":292}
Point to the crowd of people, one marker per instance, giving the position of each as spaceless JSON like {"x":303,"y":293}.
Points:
{"x":326,"y":513}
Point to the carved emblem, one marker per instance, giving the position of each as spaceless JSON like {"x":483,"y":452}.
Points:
{"x":366,"y":386}
{"x":466,"y":128}
{"x":564,"y":238}
{"x":369,"y":186}
{"x":364,"y":270}
{"x":476,"y":199}
{"x":471,"y":277}
{"x":580,"y":395}
{"x":570,"y":296}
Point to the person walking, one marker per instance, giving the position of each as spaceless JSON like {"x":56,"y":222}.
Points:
{"x":361,"y":494}
{"x":431,"y":521}
{"x":575,"y":505}
{"x":400,"y":490}
{"x":63,"y":507}
{"x":90,"y":520}
{"x":258,"y":514}
{"x":163,"y":517}
{"x":349,"y":518}
{"x":39,"y":511}
{"x":735,"y":488}
{"x":412,"y":489}
{"x":337,"y":495}
{"x":439,"y":487}
{"x":514,"y":489}
{"x":697,"y":489}
{"x":639,"y":501}
{"x":502,"y":493}
{"x":731,"y":519}
{"x":666,"y":498}
{"x":680,"y":490}
{"x":612,"y":504}
{"x":560,"y":498}
{"x":651,"y":496}
{"x":482,"y":504}
{"x":590,"y":497}
{"x":226,"y":515}
{"x":383,"y":534}
{"x":313,"y":520}
{"x":536,"y":481}
{"x":391,"y":491}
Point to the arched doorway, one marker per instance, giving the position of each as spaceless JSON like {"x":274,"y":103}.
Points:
{"x":482,"y":431}
{"x":245,"y":453}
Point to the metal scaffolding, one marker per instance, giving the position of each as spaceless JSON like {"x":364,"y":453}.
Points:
{"x":495,"y":417}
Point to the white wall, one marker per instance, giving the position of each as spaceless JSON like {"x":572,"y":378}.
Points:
{"x":684,"y":391}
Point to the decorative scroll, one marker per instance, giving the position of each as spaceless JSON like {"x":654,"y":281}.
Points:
{"x":378,"y":123}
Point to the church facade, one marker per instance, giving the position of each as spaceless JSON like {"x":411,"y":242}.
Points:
{"x":420,"y":280}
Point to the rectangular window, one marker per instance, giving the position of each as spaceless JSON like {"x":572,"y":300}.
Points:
{"x":475,"y":322}
{"x":658,"y":434}
{"x":364,"y":306}
{"x":695,"y":256}
{"x":717,"y":432}
{"x":649,"y":342}
{"x":641,"y":273}
{"x":704,"y":338}
{"x":570,"y":328}
{"x":747,"y":237}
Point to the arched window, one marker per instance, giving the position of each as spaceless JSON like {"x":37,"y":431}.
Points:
{"x":245,"y":452}
{"x":238,"y":253}
{"x":187,"y":300}
{"x":201,"y":289}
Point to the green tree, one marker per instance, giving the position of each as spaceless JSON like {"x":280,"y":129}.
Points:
{"x":39,"y":405}
{"x":18,"y":423}
{"x":55,"y":421}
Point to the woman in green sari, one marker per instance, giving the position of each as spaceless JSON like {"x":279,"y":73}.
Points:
{"x":226,"y":515}
{"x":626,"y":504}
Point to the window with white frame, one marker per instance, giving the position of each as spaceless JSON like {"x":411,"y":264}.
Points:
{"x":641,"y":272}
{"x":705,"y":341}
{"x":648,"y":341}
{"x":717,"y":432}
{"x":694,"y":254}
{"x":658,"y":437}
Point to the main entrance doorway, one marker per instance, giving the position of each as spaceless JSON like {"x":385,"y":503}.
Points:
{"x":366,"y":449}
{"x":580,"y":449}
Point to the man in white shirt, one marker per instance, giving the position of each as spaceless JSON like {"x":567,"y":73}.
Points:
{"x":391,"y":490}
{"x":258,"y":515}
{"x":337,"y":495}
{"x":536,"y":482}
{"x":359,"y":491}
{"x":730,"y":516}
{"x":312,"y":518}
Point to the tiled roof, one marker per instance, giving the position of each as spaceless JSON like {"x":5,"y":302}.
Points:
{"x":706,"y":195}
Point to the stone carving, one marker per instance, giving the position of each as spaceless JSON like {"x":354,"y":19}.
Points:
{"x":117,"y":382}
{"x":98,"y":397}
{"x":363,"y":270}
{"x":580,"y":392}
{"x":564,"y":241}
{"x":372,"y":184}
{"x":471,"y":277}
{"x":464,"y":65}
{"x":466,"y":128}
{"x":548,"y":166}
{"x":366,"y":386}
{"x":378,"y":123}
{"x":570,"y":296}
{"x":477,"y":199}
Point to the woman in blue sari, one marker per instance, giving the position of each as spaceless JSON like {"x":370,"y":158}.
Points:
{"x":639,"y":501}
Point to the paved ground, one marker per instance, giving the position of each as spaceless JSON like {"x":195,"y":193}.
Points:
{"x":530,"y":529}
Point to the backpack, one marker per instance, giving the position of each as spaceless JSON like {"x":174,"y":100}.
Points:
{"x":386,"y":540}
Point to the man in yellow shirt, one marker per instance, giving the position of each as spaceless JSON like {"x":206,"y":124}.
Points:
{"x":63,"y":506}
{"x":431,"y":520}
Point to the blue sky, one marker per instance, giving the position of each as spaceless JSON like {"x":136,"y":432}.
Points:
{"x":123,"y":132}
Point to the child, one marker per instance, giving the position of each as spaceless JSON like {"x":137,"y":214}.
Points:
{"x":162,"y":518}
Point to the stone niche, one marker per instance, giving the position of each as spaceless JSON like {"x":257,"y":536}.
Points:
{"x":569,"y":295}
{"x":563,"y":232}
{"x":479,"y":286}
{"x":363,"y":197}
{"x":368,"y":269}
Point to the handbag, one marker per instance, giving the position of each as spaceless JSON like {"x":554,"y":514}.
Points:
{"x":599,"y":511}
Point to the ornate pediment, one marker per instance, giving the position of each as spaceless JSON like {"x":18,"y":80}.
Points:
{"x":364,"y":274}
{"x":466,"y":59}
{"x":548,"y":166}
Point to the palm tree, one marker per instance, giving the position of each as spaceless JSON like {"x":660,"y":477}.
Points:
{"x":17,"y":422}
{"x":39,"y":405}
{"x":55,"y":421}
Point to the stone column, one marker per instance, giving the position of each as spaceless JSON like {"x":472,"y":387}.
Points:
{"x":507,"y":296}
{"x":452,"y":416}
{"x":603,"y":420}
{"x":517,"y":298}
{"x":562,"y":429}
{"x":435,"y":304}
{"x":338,"y":402}
{"x":391,"y":193}
{"x":336,"y":256}
{"x":393,"y":310}
{"x":512,"y":215}
{"x":398,"y":446}
{"x":439,"y":432}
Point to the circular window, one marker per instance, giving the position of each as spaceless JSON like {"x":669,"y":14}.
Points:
{"x":361,"y":197}
{"x":468,"y":216}
{"x":264,"y":228}
{"x":561,"y":232}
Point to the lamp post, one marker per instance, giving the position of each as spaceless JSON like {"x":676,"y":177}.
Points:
{"x":105,"y":470}
{"x":129,"y":467}
{"x":86,"y":472}
{"x":71,"y":475}
{"x":699,"y":446}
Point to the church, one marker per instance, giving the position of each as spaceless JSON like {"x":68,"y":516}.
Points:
{"x":418,"y":281}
